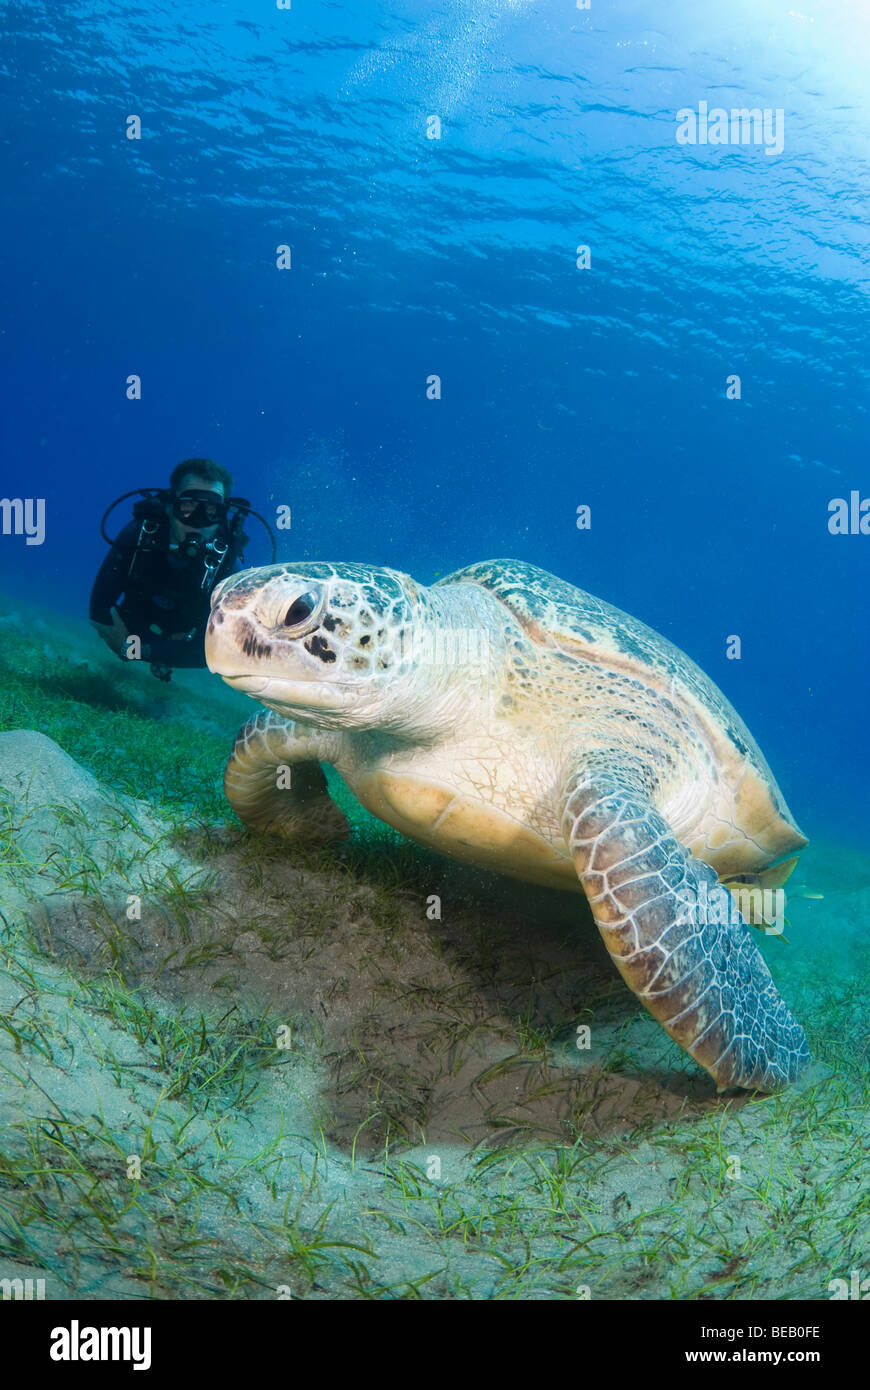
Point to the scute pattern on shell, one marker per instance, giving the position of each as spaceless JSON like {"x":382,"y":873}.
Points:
{"x":556,"y":613}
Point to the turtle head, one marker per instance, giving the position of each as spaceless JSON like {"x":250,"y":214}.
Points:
{"x":332,"y":644}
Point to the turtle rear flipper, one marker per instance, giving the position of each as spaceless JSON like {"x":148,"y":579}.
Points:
{"x":275,"y":784}
{"x":677,"y":939}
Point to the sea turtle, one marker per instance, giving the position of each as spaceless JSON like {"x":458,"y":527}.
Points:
{"x":507,"y":718}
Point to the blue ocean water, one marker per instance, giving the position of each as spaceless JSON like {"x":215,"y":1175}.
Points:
{"x":456,"y":257}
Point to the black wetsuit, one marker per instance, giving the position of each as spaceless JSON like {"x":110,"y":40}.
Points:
{"x":162,"y":596}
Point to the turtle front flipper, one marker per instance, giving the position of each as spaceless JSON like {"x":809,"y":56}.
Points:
{"x":274,"y":782}
{"x":676,"y":938}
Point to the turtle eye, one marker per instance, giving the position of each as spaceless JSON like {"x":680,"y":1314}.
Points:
{"x":301,"y":609}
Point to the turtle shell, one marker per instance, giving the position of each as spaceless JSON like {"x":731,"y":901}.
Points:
{"x":557,"y":615}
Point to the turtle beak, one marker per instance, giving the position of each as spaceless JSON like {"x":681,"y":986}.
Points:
{"x":262,"y":639}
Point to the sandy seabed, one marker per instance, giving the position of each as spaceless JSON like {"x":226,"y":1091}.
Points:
{"x":235,"y":1068}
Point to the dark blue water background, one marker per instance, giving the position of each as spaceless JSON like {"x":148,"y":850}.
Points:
{"x":414,"y":256}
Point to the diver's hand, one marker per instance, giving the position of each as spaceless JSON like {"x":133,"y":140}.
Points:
{"x":116,"y":635}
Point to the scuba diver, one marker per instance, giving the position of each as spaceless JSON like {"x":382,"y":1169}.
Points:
{"x":165,"y":562}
